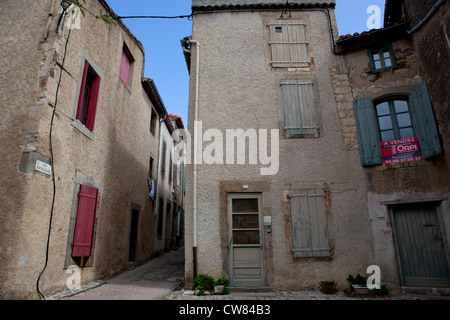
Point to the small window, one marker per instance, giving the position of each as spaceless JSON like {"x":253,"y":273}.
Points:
{"x":300,"y":117}
{"x":163,"y":159}
{"x":288,"y":44}
{"x":85,"y":222}
{"x":394,"y":120}
{"x":126,"y":66}
{"x":153,"y":122}
{"x":382,"y":58}
{"x":309,"y":224}
{"x":88,"y":97}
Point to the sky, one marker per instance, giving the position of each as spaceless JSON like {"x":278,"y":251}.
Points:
{"x":164,"y":59}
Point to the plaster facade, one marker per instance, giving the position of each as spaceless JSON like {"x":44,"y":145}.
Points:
{"x":239,"y":89}
{"x":113,"y":157}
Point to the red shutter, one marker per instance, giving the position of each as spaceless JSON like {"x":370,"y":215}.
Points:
{"x":83,"y":83}
{"x":90,"y":121}
{"x":125,"y":67}
{"x":84,"y":226}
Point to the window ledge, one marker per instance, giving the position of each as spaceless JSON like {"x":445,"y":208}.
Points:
{"x":82,"y":128}
{"x":382,"y":70}
{"x":420,"y":163}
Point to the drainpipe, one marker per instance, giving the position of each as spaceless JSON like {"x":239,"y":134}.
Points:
{"x":429,"y":14}
{"x":194,"y":206}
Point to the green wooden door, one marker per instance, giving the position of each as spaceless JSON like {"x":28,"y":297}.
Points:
{"x":245,"y":239}
{"x":421,"y":253}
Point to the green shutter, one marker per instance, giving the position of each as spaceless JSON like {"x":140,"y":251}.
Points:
{"x":426,"y":124}
{"x":309,"y":224}
{"x":299,"y":108}
{"x":369,"y":143}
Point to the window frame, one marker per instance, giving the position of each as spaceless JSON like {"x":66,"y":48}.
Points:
{"x":126,"y":64}
{"x":379,"y":51}
{"x":282,"y":46}
{"x":303,"y":108}
{"x":76,"y":123}
{"x":310,"y":232}
{"x":422,"y":116}
{"x":394,"y":117}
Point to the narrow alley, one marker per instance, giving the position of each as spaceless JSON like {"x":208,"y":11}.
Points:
{"x":150,"y":281}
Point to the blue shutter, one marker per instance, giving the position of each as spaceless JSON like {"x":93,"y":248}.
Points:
{"x":309,"y":224}
{"x":369,"y":143}
{"x":426,"y":124}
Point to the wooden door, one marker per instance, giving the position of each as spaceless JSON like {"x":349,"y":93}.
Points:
{"x":419,"y":241}
{"x":245,"y":240}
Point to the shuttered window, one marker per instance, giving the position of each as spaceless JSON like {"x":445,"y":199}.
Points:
{"x":88,"y":97}
{"x":426,"y":123}
{"x":309,"y":224}
{"x":125,"y":67}
{"x":85,"y":222}
{"x":288,"y":44}
{"x":300,"y":116}
{"x":424,"y":126}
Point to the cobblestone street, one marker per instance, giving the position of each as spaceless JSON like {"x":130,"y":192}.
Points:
{"x":162,"y":278}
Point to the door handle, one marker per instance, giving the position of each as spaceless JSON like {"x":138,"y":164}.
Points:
{"x":229,"y":244}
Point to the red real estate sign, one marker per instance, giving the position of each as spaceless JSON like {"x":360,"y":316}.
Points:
{"x":404,"y":150}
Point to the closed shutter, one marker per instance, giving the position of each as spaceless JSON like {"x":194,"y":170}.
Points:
{"x":426,"y":124}
{"x":309,"y":224}
{"x":299,"y":108}
{"x":369,"y":143}
{"x":85,"y":222}
{"x":288,"y":44}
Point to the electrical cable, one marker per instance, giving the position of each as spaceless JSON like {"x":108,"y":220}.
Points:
{"x":155,"y":17}
{"x":52,"y":164}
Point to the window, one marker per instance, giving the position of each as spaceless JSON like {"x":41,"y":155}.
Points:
{"x":288,"y":44}
{"x":153,"y":122}
{"x":396,"y":119}
{"x":163,"y":159}
{"x":382,"y":58}
{"x":88,"y":98}
{"x":85,"y":222}
{"x":126,"y":66}
{"x":309,"y":224}
{"x":299,"y":108}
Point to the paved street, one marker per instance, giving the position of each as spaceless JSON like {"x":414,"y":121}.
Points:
{"x":162,"y":278}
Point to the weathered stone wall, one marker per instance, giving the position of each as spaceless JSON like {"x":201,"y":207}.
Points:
{"x":116,"y":156}
{"x":388,"y":183}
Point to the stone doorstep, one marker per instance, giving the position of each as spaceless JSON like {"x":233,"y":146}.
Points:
{"x":426,"y":291}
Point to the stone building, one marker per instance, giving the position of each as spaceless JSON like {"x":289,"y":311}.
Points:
{"x":169,"y":187}
{"x":392,"y":92}
{"x":79,"y":136}
{"x":358,"y":134}
{"x":279,"y":197}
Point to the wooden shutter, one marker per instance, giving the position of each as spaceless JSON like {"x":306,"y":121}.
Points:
{"x":309,"y":224}
{"x":125,"y":67}
{"x":92,"y":109}
{"x":426,"y":124}
{"x":369,"y":142}
{"x":85,"y":222}
{"x":83,"y":84}
{"x":288,"y":44}
{"x":299,"y":108}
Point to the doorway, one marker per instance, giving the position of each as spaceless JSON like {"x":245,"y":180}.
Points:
{"x":420,"y":245}
{"x":134,"y":233}
{"x":245,"y":240}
